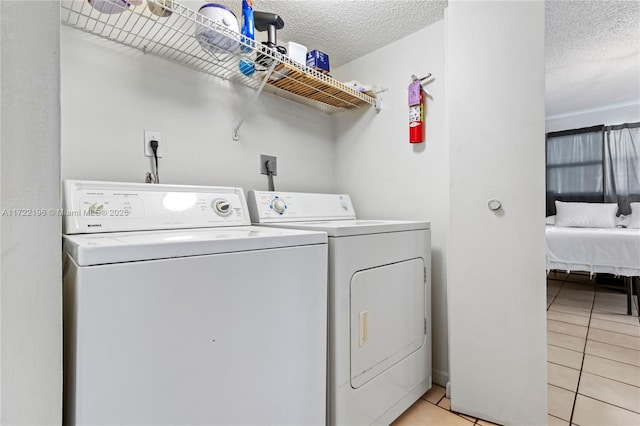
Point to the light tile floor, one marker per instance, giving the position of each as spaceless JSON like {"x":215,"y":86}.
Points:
{"x":593,"y":353}
{"x":434,"y":408}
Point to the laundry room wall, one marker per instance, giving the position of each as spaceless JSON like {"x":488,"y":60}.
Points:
{"x":30,"y":247}
{"x":607,"y":115}
{"x":389,"y":178}
{"x":111,"y":94}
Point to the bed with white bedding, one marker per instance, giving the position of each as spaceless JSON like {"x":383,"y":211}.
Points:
{"x":582,"y":238}
{"x":595,"y":250}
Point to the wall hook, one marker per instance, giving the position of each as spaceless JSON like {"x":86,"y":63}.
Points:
{"x":415,"y":78}
{"x":420,"y":81}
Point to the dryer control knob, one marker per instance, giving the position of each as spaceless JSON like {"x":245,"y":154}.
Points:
{"x":221,"y":207}
{"x":278,"y":205}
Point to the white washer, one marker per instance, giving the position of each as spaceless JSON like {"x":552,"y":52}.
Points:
{"x":379,"y":303}
{"x":192,"y":316}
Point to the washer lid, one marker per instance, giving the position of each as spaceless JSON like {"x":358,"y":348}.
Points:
{"x":117,"y":247}
{"x":345,"y":228}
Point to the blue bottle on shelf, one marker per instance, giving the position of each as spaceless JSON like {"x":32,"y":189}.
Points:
{"x":248,"y":37}
{"x":247,"y":25}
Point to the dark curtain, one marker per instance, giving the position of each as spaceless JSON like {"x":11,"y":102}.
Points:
{"x":622,"y":165}
{"x":594,"y":164}
{"x":575,"y":166}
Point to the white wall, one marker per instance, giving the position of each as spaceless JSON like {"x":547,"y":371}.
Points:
{"x":30,"y":272}
{"x":110,"y":94}
{"x":496,"y":260}
{"x":606,"y":115}
{"x":388,"y":177}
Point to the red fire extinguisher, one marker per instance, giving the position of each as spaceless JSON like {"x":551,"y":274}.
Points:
{"x":417,"y":98}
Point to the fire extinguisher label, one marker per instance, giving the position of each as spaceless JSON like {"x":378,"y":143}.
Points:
{"x":416,"y":113}
{"x":414,"y":92}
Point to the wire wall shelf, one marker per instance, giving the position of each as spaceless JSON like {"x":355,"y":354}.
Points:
{"x":181,"y":35}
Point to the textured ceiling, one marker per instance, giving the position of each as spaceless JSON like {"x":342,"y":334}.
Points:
{"x":592,"y":55}
{"x":348,"y":29}
{"x":344,"y":29}
{"x":592,"y":47}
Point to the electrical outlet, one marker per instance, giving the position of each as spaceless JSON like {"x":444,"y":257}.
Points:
{"x":263,"y":164}
{"x":152,"y":135}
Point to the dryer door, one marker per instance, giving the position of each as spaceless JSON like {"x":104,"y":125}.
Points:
{"x":387,"y":317}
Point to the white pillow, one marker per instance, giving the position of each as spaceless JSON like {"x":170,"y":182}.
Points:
{"x":635,"y":216}
{"x":586,"y":215}
{"x":551,"y":220}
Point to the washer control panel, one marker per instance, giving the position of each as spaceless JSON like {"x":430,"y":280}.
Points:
{"x":114,"y":206}
{"x":273,"y":206}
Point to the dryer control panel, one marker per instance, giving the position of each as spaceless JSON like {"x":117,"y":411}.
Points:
{"x":273,"y":206}
{"x":91,"y":206}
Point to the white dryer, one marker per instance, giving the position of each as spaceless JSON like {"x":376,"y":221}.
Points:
{"x":379,"y":303}
{"x":177,"y":311}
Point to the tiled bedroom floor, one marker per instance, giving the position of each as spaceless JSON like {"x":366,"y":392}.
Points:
{"x":593,"y":353}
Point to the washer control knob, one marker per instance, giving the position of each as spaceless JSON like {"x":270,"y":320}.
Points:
{"x":222,"y":207}
{"x":344,"y":206}
{"x":278,"y":205}
{"x":96,"y":208}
